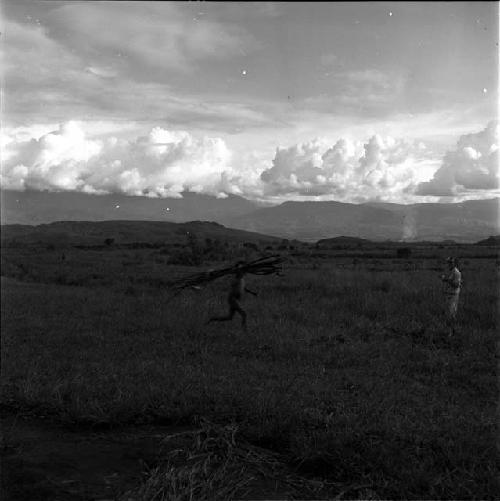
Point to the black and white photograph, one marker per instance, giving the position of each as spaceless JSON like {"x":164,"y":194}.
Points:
{"x":250,"y":251}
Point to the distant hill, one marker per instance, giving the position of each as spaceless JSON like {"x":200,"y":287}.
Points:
{"x":317,"y":220}
{"x":344,"y":242}
{"x":36,"y":207}
{"x":490,"y":241}
{"x":311,"y":221}
{"x":125,"y":232}
{"x":307,"y":221}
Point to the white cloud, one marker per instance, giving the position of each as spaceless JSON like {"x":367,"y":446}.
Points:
{"x":166,"y":162}
{"x":328,"y":59}
{"x":163,"y":163}
{"x":46,"y":79}
{"x":268,"y":9}
{"x":102,"y":72}
{"x":383,"y":168}
{"x":157,"y":36}
{"x":471,"y":168}
{"x":365,"y":92}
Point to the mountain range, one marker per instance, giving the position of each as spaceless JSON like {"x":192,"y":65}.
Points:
{"x":38,"y":207}
{"x":307,"y":221}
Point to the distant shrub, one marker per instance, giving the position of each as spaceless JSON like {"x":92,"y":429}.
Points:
{"x":383,"y":286}
{"x":142,"y":245}
{"x":251,"y":245}
{"x":403,"y":252}
{"x":196,"y":249}
{"x":60,"y":280}
{"x":76,"y":281}
{"x":109,"y":241}
{"x":131,"y":291}
{"x":185,"y":257}
{"x":284,"y":244}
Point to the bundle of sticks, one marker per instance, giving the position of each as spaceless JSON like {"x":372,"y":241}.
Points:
{"x":263,"y":266}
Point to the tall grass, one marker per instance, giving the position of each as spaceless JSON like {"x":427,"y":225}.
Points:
{"x":348,"y":372}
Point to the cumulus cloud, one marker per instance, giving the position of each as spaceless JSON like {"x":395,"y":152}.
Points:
{"x":163,"y":163}
{"x":471,"y":168}
{"x":167,"y":162}
{"x":383,"y":168}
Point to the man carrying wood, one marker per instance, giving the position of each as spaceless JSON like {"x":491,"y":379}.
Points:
{"x":268,"y":265}
{"x":237,"y":289}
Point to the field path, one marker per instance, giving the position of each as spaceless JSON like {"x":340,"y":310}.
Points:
{"x":42,"y":461}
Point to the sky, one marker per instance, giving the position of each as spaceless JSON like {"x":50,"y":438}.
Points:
{"x":355,"y":101}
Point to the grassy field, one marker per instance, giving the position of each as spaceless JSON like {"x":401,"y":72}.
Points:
{"x":346,"y":369}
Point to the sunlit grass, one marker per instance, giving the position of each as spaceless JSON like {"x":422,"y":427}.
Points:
{"x":347,"y":371}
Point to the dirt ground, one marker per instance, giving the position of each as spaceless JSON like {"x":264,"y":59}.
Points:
{"x":46,"y":461}
{"x":42,"y":461}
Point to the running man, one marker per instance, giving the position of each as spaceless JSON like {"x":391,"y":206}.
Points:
{"x":453,"y":285}
{"x":237,"y":290}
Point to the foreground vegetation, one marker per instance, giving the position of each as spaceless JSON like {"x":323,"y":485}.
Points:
{"x":346,"y":370}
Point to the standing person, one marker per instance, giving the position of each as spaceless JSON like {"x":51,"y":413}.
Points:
{"x":453,"y":285}
{"x":237,"y":289}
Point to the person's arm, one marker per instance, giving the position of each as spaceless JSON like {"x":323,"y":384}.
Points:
{"x":454,"y":280}
{"x":251,"y":292}
{"x":446,"y":278}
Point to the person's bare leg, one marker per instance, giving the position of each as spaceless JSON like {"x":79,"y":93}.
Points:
{"x":243,"y":315}
{"x":450,"y":323}
{"x":243,"y":320}
{"x":452,"y":326}
{"x":225,"y":318}
{"x":452,"y":316}
{"x":220,"y":319}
